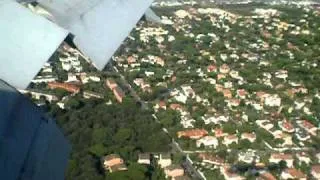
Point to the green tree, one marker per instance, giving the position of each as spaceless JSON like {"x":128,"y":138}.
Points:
{"x":98,"y":150}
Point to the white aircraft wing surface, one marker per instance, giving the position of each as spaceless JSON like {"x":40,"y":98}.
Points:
{"x":99,"y":26}
{"x":27,"y":42}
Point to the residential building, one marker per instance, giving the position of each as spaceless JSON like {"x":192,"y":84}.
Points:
{"x":131,"y":59}
{"x":173,"y":171}
{"x":302,"y":134}
{"x":144,"y":158}
{"x":249,"y":136}
{"x":224,"y":69}
{"x":227,"y":93}
{"x":111,"y":84}
{"x":89,"y":94}
{"x":118,"y":167}
{"x":307,"y":126}
{"x":241,"y":93}
{"x":229,"y":139}
{"x":286,"y":126}
{"x":277,"y":157}
{"x":229,"y":175}
{"x":119,"y":94}
{"x":164,"y":160}
{"x":303,"y":158}
{"x":113,"y":162}
{"x":218,"y":132}
{"x":212,"y":68}
{"x":292,"y":173}
{"x":210,"y":141}
{"x":192,"y":133}
{"x":175,"y":106}
{"x":273,"y":100}
{"x":44,"y":79}
{"x":247,"y":157}
{"x":211,"y":159}
{"x":66,"y":86}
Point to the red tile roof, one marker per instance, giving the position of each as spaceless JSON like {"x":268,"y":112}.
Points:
{"x":211,"y":157}
{"x":66,"y":86}
{"x":282,"y":156}
{"x":162,"y":104}
{"x":297,"y":174}
{"x":307,"y":124}
{"x":175,"y":106}
{"x":212,"y":68}
{"x":219,"y":132}
{"x":242,"y":92}
{"x":287,"y":125}
{"x":192,"y":133}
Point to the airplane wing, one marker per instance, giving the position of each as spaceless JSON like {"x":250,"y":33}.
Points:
{"x":28,"y":41}
{"x":99,"y":26}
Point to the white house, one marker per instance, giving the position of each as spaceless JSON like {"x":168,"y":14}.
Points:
{"x":164,"y":160}
{"x":277,"y":157}
{"x":208,"y":141}
{"x":273,"y":100}
{"x":229,"y":139}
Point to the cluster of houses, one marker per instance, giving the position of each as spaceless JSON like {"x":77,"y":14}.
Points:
{"x":164,"y":160}
{"x":220,"y":72}
{"x":223,"y":72}
{"x":203,"y":139}
{"x":290,"y":172}
{"x":285,"y":129}
{"x":113,"y":163}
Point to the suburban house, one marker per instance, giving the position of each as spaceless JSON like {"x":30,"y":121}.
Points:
{"x":212,"y":68}
{"x":286,"y":126}
{"x":144,"y":158}
{"x":303,"y":158}
{"x":119,"y":94}
{"x":292,"y":173}
{"x":315,"y":171}
{"x":44,"y":79}
{"x":247,"y":157}
{"x":249,"y":136}
{"x":164,"y":160}
{"x":192,"y":133}
{"x":111,"y":84}
{"x":224,"y":69}
{"x":309,"y":127}
{"x":229,"y":175}
{"x":173,"y":171}
{"x":175,"y":106}
{"x":211,"y":159}
{"x":277,"y":157}
{"x":68,"y":87}
{"x":131,"y":60}
{"x":113,"y":162}
{"x":89,"y":94}
{"x":210,"y":141}
{"x":218,"y":132}
{"x":229,"y":139}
